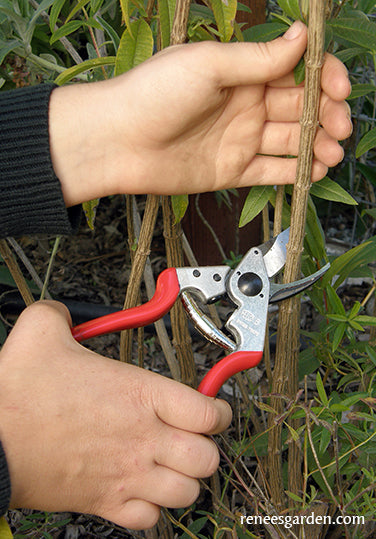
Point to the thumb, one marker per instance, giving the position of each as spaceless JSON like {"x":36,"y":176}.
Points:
{"x":258,"y":63}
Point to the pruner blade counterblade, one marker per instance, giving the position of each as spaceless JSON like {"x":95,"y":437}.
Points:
{"x":279,"y":292}
{"x":274,"y":253}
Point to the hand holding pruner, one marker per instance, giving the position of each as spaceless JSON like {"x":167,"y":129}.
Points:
{"x":248,"y":286}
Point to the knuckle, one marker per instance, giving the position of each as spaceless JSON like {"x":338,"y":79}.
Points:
{"x":213,"y":460}
{"x":192,"y":493}
{"x":210,"y":417}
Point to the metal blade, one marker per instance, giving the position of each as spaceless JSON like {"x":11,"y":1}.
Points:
{"x":279,"y":292}
{"x":274,"y":253}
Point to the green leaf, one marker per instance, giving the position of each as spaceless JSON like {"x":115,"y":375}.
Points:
{"x":330,"y":190}
{"x":354,"y":324}
{"x":338,"y":317}
{"x":90,"y":210}
{"x":335,"y":302}
{"x":65,"y":30}
{"x":359,"y":31}
{"x":76,"y":70}
{"x":308,"y":363}
{"x":255,"y":202}
{"x":5,"y":532}
{"x":368,"y":171}
{"x":371,"y":213}
{"x":299,"y":72}
{"x":371,"y":354}
{"x":359,"y":90}
{"x":324,"y":440}
{"x":348,"y":54}
{"x":56,"y":8}
{"x":43,"y":6}
{"x":338,"y":408}
{"x":338,"y":335}
{"x":293,"y":433}
{"x":368,"y":142}
{"x":224,"y":12}
{"x":166,"y":11}
{"x":8,"y":47}
{"x":314,"y":240}
{"x":344,"y":265}
{"x":294,"y":497}
{"x":265,"y":32}
{"x":110,"y":31}
{"x":126,"y":10}
{"x":291,"y":8}
{"x":366,"y":320}
{"x":76,"y":8}
{"x":136,"y":46}
{"x":321,"y":390}
{"x":179,"y":205}
{"x":95,"y":5}
{"x":355,"y":309}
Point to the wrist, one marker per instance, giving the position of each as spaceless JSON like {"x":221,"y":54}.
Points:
{"x":80,"y":141}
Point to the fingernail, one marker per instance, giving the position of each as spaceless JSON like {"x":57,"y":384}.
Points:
{"x":294,"y":31}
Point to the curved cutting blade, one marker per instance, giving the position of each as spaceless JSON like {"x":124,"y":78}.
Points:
{"x":274,"y":253}
{"x":279,"y":292}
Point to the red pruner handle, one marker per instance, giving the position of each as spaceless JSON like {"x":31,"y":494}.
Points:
{"x":227,"y":367}
{"x":166,"y":292}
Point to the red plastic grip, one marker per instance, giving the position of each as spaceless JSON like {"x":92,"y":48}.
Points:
{"x":227,"y":367}
{"x":166,"y":292}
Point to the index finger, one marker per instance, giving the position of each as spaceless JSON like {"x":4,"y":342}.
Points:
{"x":185,"y":408}
{"x":334,"y":79}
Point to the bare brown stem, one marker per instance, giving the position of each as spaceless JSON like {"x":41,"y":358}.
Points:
{"x":285,"y":376}
{"x":138,"y":266}
{"x":16,"y":273}
{"x":173,"y":236}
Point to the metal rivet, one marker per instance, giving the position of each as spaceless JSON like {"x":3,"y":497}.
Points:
{"x":196,"y":273}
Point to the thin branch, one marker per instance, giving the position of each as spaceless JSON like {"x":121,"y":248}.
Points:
{"x":50,"y":266}
{"x":16,"y":273}
{"x":206,"y":223}
{"x":63,"y":40}
{"x":289,"y":318}
{"x":28,"y":265}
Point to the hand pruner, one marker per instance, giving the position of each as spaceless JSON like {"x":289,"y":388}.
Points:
{"x":248,"y":286}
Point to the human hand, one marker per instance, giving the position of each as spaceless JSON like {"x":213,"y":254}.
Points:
{"x":193,"y":118}
{"x":88,"y":434}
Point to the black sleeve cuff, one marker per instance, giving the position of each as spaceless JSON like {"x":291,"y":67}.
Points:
{"x":5,"y":490}
{"x":31,"y":200}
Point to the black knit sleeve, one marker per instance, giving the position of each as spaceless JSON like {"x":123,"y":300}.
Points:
{"x":5,"y":489}
{"x":31,"y":200}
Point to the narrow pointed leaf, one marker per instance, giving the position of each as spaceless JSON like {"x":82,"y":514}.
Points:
{"x":136,"y":46}
{"x":321,"y":390}
{"x":357,"y":30}
{"x":330,"y":190}
{"x":359,"y":90}
{"x":76,"y":70}
{"x":55,"y":12}
{"x":224,"y":13}
{"x":255,"y":202}
{"x":291,"y":8}
{"x":5,"y":532}
{"x":125,"y":10}
{"x":264,"y":32}
{"x":65,"y":30}
{"x":90,"y":211}
{"x":368,"y":142}
{"x":166,"y":10}
{"x":344,"y":265}
{"x":179,"y":205}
